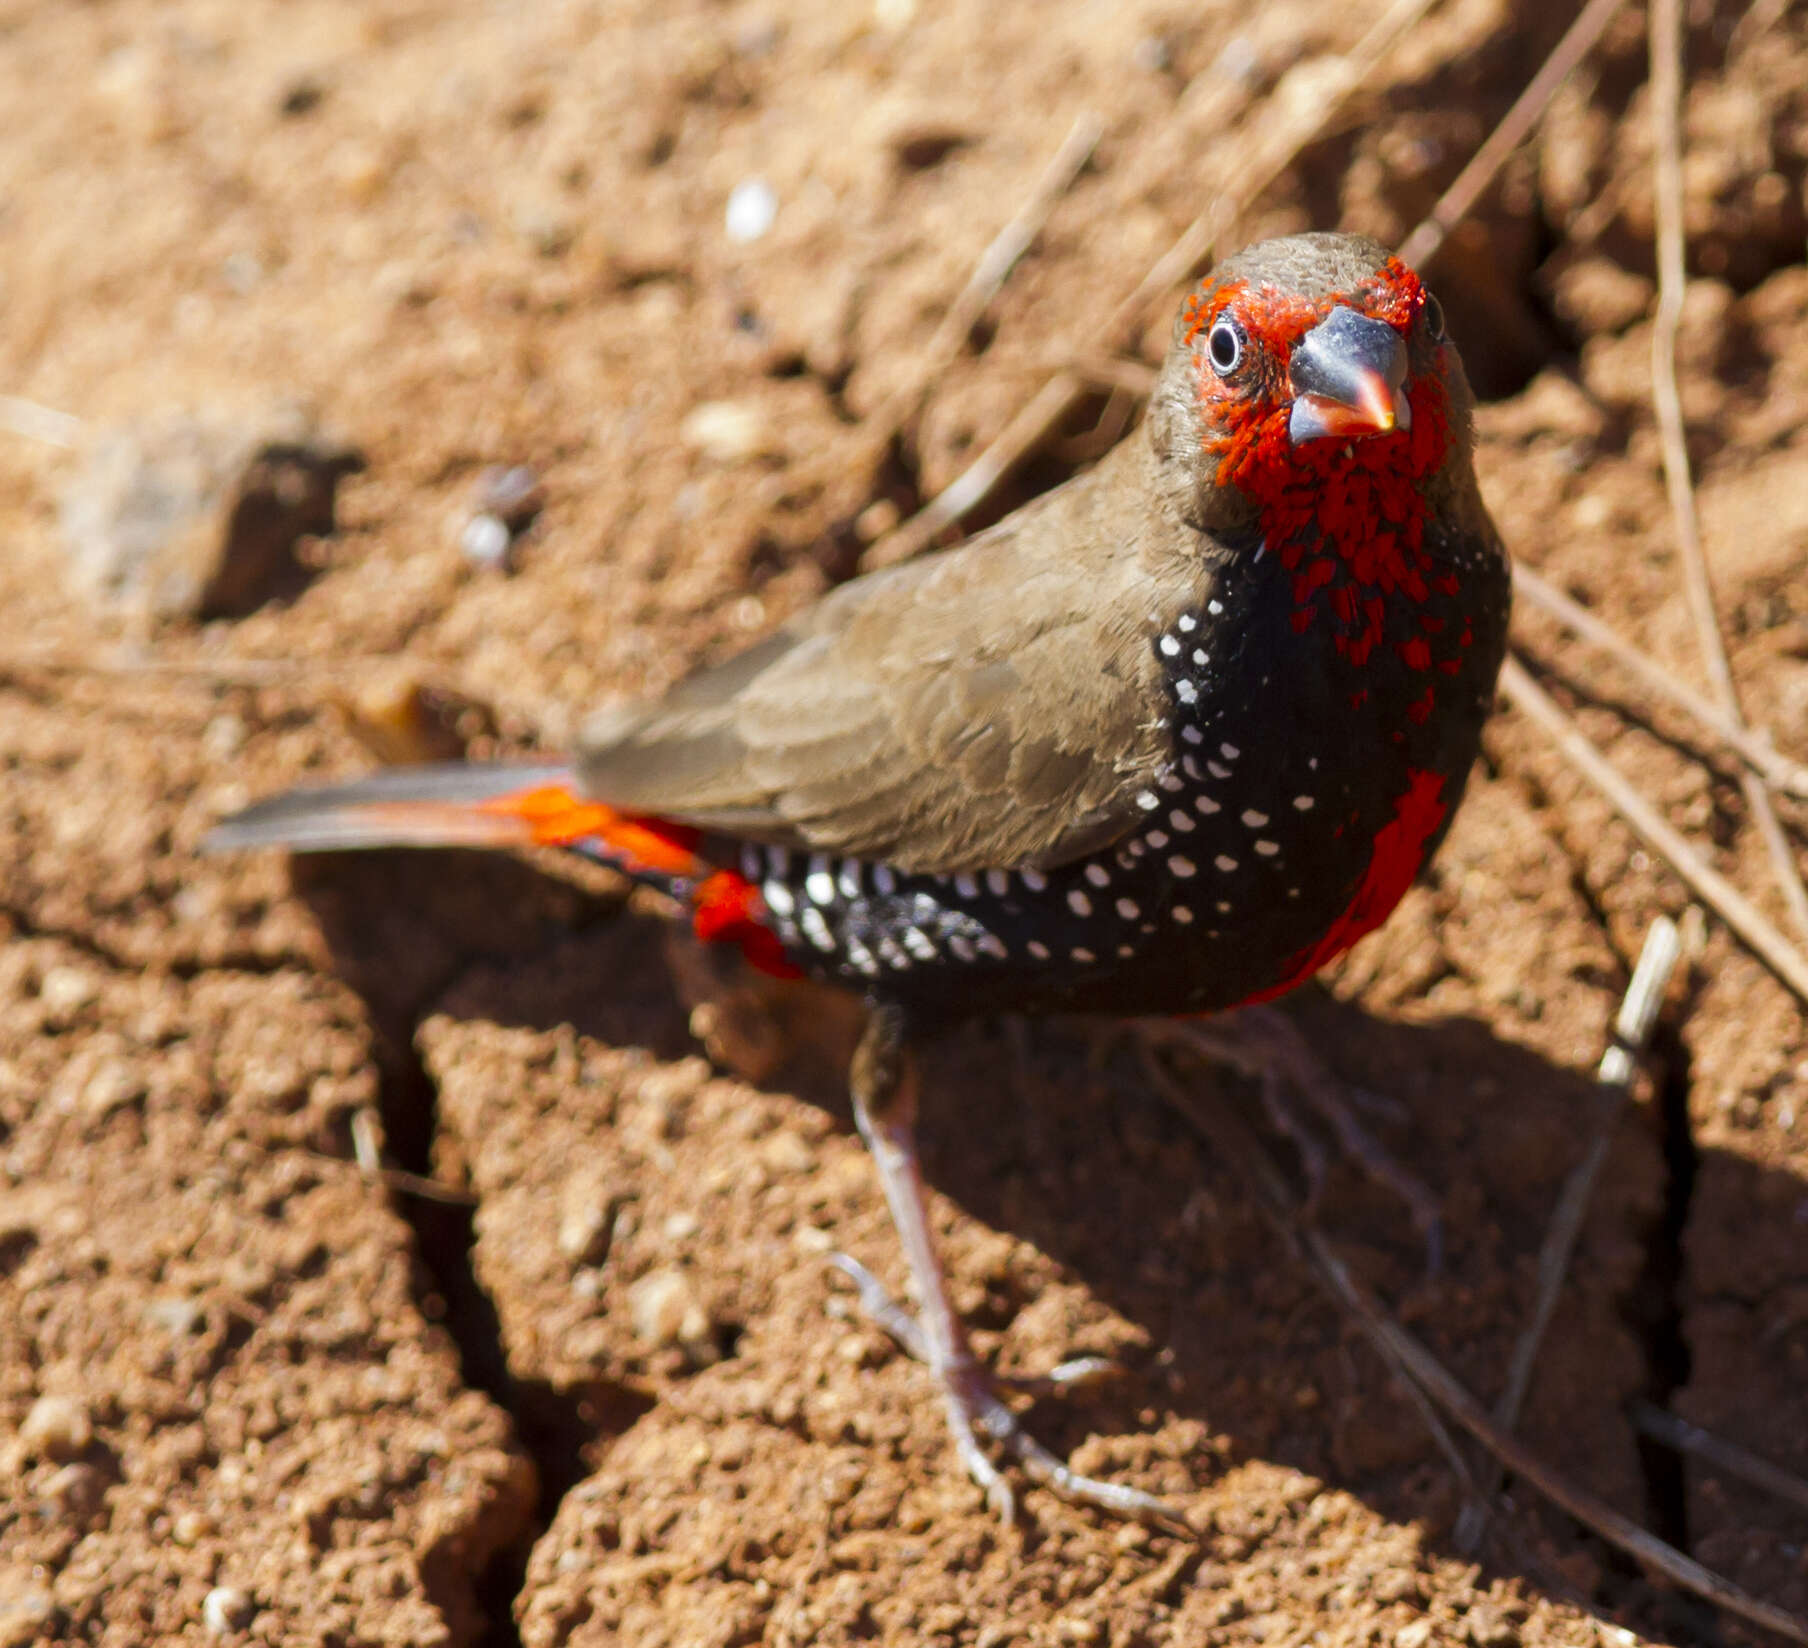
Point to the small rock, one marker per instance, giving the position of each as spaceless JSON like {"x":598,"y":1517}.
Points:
{"x":226,"y":1610}
{"x":585,"y":1230}
{"x":402,"y":719}
{"x":504,"y":503}
{"x":65,"y":991}
{"x":57,"y":1427}
{"x":191,"y":1527}
{"x":752,"y":210}
{"x":725,"y":431}
{"x":27,"y":1609}
{"x":667,"y":1314}
{"x":182,"y":516}
{"x":485,"y":541}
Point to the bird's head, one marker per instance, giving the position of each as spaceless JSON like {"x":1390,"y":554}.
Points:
{"x":1299,"y":366}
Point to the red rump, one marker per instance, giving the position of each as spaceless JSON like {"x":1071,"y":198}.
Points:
{"x":725,"y":907}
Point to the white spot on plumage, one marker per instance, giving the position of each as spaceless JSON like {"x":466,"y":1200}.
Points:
{"x":1080,"y":953}
{"x":997,"y":883}
{"x":1181,"y":914}
{"x":1186,"y":623}
{"x":894,"y":953}
{"x":1098,"y":875}
{"x":966,"y":886}
{"x":1037,"y":949}
{"x":962,"y":946}
{"x":1170,"y":647}
{"x":919,"y":944}
{"x":1181,"y":821}
{"x":1033,"y":879}
{"x":1230,"y":752}
{"x":1268,"y":848}
{"x":1225,"y":862}
{"x":1305,"y":803}
{"x":819,"y":885}
{"x":1192,"y":734}
{"x":1182,"y":866}
{"x":1148,"y":800}
{"x":816,"y":930}
{"x":990,"y":944}
{"x":1157,"y":839}
{"x":1201,"y":657}
{"x":1079,"y":903}
{"x":1254,"y":819}
{"x":1217,"y":769}
{"x":883,"y":880}
{"x":863,"y":959}
{"x":1171,"y":782}
{"x":1126,"y":951}
{"x":1128,"y":909}
{"x":1204,"y":804}
{"x":848,"y":878}
{"x":778,"y":897}
{"x":1185,"y":691}
{"x":1223,"y":906}
{"x":750,"y":862}
{"x":1214,"y":607}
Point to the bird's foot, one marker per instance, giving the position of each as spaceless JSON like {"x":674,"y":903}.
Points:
{"x":973,"y":1400}
{"x":1264,"y":1043}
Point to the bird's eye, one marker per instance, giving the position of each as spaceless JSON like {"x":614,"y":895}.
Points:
{"x":1434,"y":319}
{"x":1224,"y":346}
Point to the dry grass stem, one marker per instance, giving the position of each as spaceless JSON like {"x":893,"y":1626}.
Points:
{"x":1751,"y":745}
{"x":1632,"y":1029}
{"x":1731,"y":905}
{"x":1413,"y":1362}
{"x":1663,"y":1426}
{"x":1516,"y":125}
{"x":1667,"y":23}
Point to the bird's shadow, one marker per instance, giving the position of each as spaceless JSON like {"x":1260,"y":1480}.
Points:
{"x":1037,"y":1135}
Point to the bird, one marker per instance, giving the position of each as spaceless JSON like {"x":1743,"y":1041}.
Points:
{"x":1164,"y":741}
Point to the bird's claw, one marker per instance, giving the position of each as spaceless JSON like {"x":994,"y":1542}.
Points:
{"x":975,"y":1407}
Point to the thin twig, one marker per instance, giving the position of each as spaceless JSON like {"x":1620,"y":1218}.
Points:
{"x":1731,"y":905}
{"x":997,"y":262}
{"x":1405,"y":1353}
{"x":1632,"y":1032}
{"x":1194,"y":246}
{"x":19,"y":416}
{"x":1751,"y":746}
{"x":1666,"y":18}
{"x":1528,"y":109}
{"x":1665,"y":1427}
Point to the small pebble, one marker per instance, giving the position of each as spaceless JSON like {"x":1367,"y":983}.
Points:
{"x":752,"y":210}
{"x":486,"y":541}
{"x":726,"y":431}
{"x":57,"y":1427}
{"x":667,"y":1313}
{"x":226,"y":1609}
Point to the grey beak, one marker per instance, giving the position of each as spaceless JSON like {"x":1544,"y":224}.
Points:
{"x":1348,"y":375}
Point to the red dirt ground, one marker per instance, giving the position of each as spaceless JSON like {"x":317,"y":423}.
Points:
{"x":247,"y":1393}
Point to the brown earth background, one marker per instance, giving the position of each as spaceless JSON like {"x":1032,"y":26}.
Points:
{"x":614,"y":1394}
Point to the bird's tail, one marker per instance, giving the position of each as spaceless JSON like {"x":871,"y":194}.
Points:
{"x":456,"y":804}
{"x":461,"y":805}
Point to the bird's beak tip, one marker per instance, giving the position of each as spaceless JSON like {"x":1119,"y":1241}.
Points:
{"x":1349,"y":379}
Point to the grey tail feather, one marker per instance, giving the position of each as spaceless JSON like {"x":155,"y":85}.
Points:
{"x":426,"y":806}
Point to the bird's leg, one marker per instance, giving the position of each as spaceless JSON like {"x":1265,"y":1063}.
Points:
{"x":883,"y":1082}
{"x":1264,"y":1043}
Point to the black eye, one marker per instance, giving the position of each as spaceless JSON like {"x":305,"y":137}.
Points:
{"x":1434,"y":319}
{"x":1224,"y":346}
